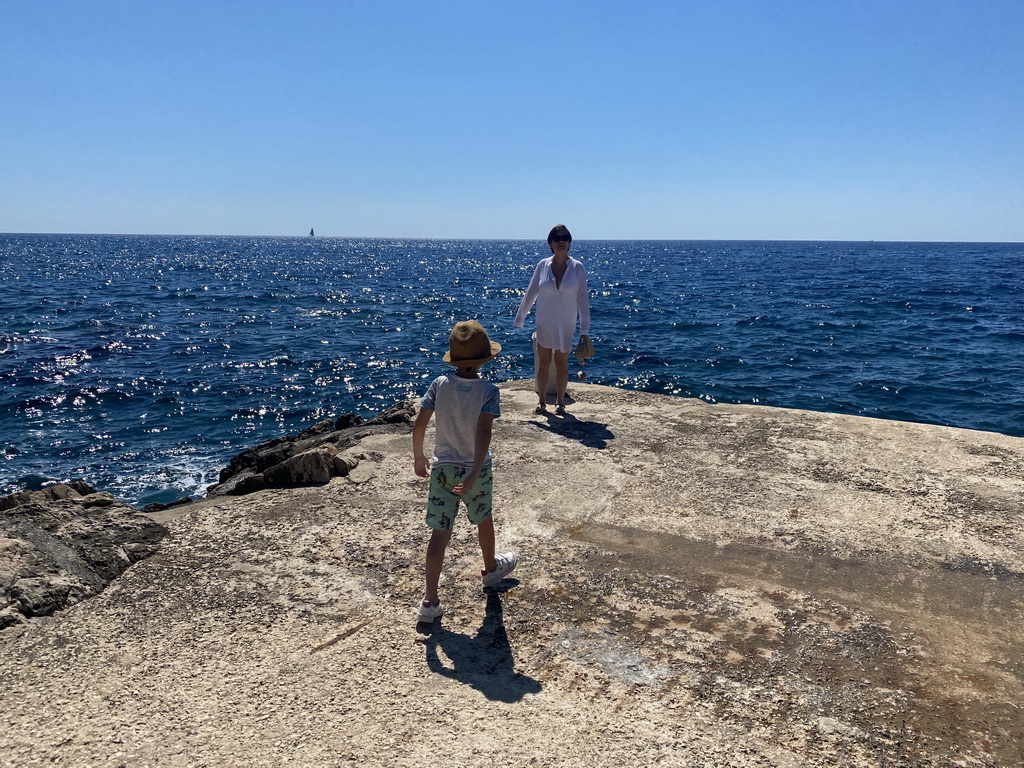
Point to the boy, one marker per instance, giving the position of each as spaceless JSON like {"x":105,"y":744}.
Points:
{"x":460,"y":468}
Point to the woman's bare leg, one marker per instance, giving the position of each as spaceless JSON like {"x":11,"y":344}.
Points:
{"x":561,"y":375}
{"x":544,"y":361}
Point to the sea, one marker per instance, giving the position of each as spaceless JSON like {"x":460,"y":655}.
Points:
{"x":142,"y":364}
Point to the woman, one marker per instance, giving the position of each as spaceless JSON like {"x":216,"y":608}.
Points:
{"x":559,"y":286}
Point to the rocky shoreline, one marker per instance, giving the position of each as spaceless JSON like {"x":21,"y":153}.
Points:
{"x":67,"y":542}
{"x":63,"y":544}
{"x":700,"y":585}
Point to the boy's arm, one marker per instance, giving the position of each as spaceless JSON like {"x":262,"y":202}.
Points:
{"x":419,"y":431}
{"x":480,"y":448}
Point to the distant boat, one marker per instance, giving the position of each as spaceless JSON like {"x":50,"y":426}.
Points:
{"x":311,"y":232}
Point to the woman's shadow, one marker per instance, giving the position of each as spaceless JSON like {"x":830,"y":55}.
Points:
{"x":485,"y":661}
{"x":592,"y":434}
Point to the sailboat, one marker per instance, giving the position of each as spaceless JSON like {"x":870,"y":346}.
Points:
{"x":311,"y":232}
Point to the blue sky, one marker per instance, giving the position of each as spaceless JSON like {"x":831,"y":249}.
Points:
{"x":734,"y":119}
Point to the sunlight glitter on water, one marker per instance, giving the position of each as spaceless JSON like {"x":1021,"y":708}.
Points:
{"x":169,"y":343}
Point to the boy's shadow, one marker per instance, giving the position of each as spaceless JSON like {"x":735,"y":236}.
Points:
{"x":485,"y":661}
{"x":592,"y":434}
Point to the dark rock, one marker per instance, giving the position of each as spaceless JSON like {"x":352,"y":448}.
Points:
{"x":42,"y":595}
{"x":344,"y":464}
{"x":262,"y":456}
{"x":98,"y":499}
{"x":248,"y":483}
{"x":347,"y":420}
{"x":63,"y":544}
{"x":403,"y":412}
{"x":309,"y":457}
{"x":156,"y":506}
{"x":72,"y":490}
{"x":244,"y":482}
{"x":320,"y":428}
{"x":312,"y":467}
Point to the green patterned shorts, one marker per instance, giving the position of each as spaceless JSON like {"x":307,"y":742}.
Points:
{"x":443,"y":505}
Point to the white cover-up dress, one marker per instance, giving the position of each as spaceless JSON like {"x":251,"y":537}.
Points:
{"x":557,"y":306}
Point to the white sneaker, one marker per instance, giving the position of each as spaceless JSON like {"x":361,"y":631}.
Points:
{"x":503,"y":565}
{"x":428,"y":612}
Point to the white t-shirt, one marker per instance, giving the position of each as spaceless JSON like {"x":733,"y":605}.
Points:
{"x":557,"y":305}
{"x":457,"y":404}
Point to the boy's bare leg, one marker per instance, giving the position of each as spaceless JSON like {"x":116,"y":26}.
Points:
{"x":435,"y":560}
{"x":544,"y":363}
{"x":485,"y":535}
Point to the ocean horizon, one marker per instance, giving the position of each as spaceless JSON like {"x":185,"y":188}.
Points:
{"x":142,"y":363}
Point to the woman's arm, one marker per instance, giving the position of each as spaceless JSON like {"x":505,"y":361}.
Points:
{"x":532,"y":291}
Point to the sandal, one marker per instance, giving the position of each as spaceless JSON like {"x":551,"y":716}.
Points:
{"x":560,"y":409}
{"x":540,"y":409}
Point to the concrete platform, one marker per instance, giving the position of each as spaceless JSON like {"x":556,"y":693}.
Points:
{"x":699,"y":585}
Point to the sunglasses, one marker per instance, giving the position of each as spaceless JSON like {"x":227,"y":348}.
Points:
{"x":561,"y":238}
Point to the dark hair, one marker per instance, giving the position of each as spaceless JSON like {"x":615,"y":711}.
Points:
{"x":557,"y":229}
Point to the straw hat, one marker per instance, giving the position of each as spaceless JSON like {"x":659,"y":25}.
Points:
{"x":469,"y":346}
